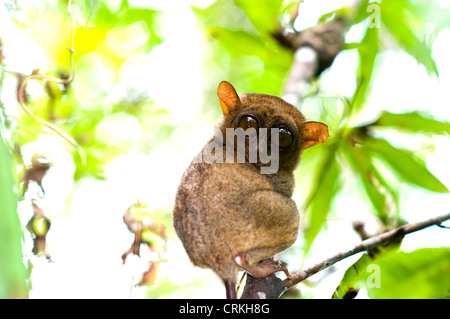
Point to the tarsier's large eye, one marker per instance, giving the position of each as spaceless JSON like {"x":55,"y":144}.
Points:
{"x":247,"y":122}
{"x":285,"y":138}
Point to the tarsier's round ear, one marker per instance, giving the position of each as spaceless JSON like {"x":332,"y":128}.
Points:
{"x":314,"y":133}
{"x":228,"y":97}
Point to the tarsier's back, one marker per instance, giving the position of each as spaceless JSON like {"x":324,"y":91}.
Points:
{"x":228,"y":213}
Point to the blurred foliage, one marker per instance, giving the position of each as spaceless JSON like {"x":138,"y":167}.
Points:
{"x":148,"y":232}
{"x":423,"y":273}
{"x":12,"y":270}
{"x":243,"y":31}
{"x":13,"y":273}
{"x":361,"y":147}
{"x":110,"y":115}
{"x":83,"y":108}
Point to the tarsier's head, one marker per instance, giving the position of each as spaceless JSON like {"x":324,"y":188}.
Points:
{"x":269,"y":122}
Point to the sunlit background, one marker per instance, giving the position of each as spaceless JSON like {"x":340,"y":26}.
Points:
{"x":143,"y":104}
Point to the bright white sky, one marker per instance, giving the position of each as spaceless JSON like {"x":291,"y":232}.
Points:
{"x":88,"y":236}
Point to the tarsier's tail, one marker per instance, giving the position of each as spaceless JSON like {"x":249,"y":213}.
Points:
{"x":230,"y":288}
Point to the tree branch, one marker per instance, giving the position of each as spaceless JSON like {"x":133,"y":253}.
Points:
{"x":315,"y":50}
{"x":306,"y":62}
{"x":273,"y":287}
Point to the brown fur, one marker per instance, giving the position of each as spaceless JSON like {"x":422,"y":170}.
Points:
{"x":225,"y":210}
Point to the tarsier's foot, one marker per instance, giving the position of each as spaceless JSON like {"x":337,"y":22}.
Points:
{"x":263,"y":268}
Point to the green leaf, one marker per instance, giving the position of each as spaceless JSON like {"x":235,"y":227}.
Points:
{"x":423,"y":273}
{"x":320,"y":200}
{"x":405,"y":164}
{"x":368,"y":50}
{"x":152,"y":238}
{"x":353,"y":14}
{"x":415,"y":122}
{"x":223,"y":13}
{"x":428,"y":13}
{"x":12,"y":269}
{"x":241,"y":42}
{"x":259,"y":63}
{"x":376,"y":188}
{"x":361,"y":12}
{"x":400,"y":18}
{"x":264,"y":15}
{"x":350,"y":281}
{"x":92,"y":7}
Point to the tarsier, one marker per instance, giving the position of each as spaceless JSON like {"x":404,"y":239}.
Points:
{"x":229,"y":215}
